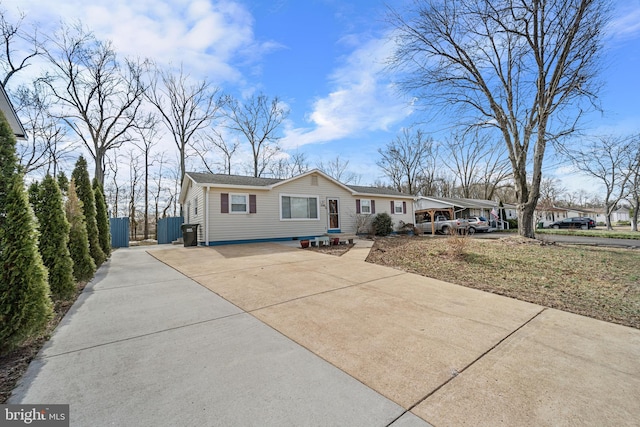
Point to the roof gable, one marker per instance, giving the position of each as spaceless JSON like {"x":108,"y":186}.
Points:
{"x":238,"y":181}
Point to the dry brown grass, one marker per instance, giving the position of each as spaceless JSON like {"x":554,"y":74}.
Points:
{"x":597,"y":282}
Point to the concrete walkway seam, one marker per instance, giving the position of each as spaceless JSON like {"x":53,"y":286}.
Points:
{"x":455,"y":374}
{"x":138,"y":336}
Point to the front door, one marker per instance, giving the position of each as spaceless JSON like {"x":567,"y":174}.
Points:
{"x":334,"y":214}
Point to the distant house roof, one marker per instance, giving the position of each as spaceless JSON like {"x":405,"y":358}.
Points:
{"x":464,"y":203}
{"x":223,"y":180}
{"x":11,"y":116}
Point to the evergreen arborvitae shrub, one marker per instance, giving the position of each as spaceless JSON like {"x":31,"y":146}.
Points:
{"x":85,"y":193}
{"x":382,"y":224}
{"x":102,"y":219}
{"x":83,"y":264}
{"x":63,"y":182}
{"x":34,"y":196}
{"x":25,"y":305}
{"x":54,"y":240}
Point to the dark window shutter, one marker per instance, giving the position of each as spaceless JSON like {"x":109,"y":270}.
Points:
{"x":404,"y":207}
{"x":252,"y":203}
{"x":373,"y":206}
{"x":357,"y":206}
{"x":224,"y":203}
{"x":392,"y":209}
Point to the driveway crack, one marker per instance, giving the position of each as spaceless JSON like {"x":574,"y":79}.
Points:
{"x":473,"y":362}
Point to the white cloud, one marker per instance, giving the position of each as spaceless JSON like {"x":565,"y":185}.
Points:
{"x":626,"y":22}
{"x":208,"y":38}
{"x":363,"y":100}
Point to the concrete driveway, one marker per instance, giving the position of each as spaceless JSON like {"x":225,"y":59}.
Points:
{"x":301,"y":338}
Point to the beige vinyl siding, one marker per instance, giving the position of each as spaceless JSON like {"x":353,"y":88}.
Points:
{"x":193,"y":193}
{"x":266,"y":223}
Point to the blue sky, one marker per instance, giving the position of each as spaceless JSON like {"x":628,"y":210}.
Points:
{"x":323,"y":58}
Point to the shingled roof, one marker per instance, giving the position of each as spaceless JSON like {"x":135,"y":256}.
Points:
{"x":250,"y":181}
{"x":223,"y":179}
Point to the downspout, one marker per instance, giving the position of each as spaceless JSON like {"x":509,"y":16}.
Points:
{"x":206,"y":216}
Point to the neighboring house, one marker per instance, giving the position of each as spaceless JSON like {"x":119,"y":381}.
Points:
{"x":550,"y":214}
{"x":547,"y":215}
{"x":620,"y":214}
{"x":238,"y":209}
{"x":463,"y":208}
{"x":11,"y":116}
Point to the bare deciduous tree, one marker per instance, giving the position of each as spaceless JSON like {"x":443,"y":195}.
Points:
{"x":99,"y":95}
{"x":338,"y":169}
{"x":479,"y":164}
{"x":609,"y":160}
{"x":214,"y":142}
{"x":44,"y":147}
{"x":12,"y":33}
{"x":634,"y":183}
{"x":186,"y":107}
{"x":518,"y":67}
{"x":409,"y":161}
{"x":257,"y":120}
{"x":147,"y":129}
{"x":113,"y":190}
{"x":290,"y":166}
{"x":551,"y":190}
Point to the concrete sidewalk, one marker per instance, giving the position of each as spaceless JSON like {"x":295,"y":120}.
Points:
{"x":449,"y":354}
{"x":146,"y":346}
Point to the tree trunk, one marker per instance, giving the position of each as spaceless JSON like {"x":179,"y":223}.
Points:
{"x":634,"y":217}
{"x":146,"y":194}
{"x":99,"y":169}
{"x":526,"y":223}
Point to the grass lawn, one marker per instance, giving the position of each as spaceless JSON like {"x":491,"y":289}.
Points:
{"x":616,"y":233}
{"x":597,"y":282}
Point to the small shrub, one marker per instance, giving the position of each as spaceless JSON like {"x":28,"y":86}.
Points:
{"x":405,"y":227}
{"x":513,"y":224}
{"x":382,"y":224}
{"x":457,"y":244}
{"x":624,"y":222}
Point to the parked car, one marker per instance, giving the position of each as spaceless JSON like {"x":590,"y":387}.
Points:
{"x":574,"y":223}
{"x":444,"y":225}
{"x":478,"y":223}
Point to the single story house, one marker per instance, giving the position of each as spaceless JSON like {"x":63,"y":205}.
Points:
{"x":548,"y":214}
{"x":621,"y":214}
{"x":239,"y":209}
{"x":463,"y":208}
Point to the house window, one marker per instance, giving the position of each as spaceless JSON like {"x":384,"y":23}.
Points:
{"x":365,"y":206}
{"x":195,"y":208}
{"x":398,"y":208}
{"x":239,"y":203}
{"x":298,"y":207}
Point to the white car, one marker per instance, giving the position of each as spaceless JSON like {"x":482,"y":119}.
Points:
{"x":478,"y":223}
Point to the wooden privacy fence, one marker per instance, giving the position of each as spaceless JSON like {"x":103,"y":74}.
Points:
{"x":169,"y":229}
{"x":119,"y":232}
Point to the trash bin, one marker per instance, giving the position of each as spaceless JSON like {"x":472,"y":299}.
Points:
{"x":190,"y":234}
{"x":541,"y":224}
